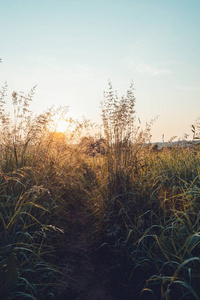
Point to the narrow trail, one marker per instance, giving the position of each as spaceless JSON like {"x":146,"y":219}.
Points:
{"x":89,"y":275}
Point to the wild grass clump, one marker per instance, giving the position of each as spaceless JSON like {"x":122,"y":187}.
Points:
{"x":155,"y":227}
{"x":149,"y":208}
{"x":24,"y":247}
{"x":42,"y":180}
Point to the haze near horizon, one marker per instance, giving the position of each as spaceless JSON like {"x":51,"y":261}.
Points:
{"x":70,"y":49}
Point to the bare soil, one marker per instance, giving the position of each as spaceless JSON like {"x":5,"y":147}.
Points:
{"x":89,"y":274}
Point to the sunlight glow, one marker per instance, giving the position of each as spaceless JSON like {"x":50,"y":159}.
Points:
{"x":61,"y":126}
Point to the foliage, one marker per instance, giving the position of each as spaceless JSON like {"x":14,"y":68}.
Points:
{"x":196,"y":130}
{"x":145,"y":202}
{"x":92,"y":146}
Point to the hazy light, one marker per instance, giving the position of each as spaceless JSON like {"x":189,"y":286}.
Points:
{"x":61,"y":126}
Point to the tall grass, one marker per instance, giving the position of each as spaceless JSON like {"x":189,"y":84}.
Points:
{"x":145,"y":202}
{"x":40,"y":177}
{"x":24,"y":243}
{"x":150,"y":207}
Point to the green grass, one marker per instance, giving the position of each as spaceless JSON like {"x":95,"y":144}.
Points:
{"x":145,"y":204}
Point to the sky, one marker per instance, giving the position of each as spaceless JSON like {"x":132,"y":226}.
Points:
{"x":70,"y":49}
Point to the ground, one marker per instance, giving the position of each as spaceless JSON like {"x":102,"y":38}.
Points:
{"x":89,"y":273}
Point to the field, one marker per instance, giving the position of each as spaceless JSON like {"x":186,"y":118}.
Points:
{"x":110,"y":217}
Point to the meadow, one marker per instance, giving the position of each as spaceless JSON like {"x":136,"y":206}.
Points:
{"x":113,"y":210}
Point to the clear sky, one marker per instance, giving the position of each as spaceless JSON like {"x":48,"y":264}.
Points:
{"x":71,"y":48}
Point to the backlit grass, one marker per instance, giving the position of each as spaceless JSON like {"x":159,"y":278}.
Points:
{"x":145,"y":203}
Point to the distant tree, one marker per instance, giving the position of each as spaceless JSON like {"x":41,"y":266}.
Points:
{"x":92,"y":146}
{"x":155,"y":147}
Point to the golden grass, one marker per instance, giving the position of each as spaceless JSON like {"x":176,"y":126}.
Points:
{"x":145,"y":203}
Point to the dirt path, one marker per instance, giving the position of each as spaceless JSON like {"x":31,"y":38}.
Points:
{"x":89,"y":276}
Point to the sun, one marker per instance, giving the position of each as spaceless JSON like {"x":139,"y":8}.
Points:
{"x":58,"y":124}
{"x":61,"y":125}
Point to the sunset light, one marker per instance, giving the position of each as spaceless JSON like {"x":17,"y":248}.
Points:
{"x":61,"y":125}
{"x":100,"y":149}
